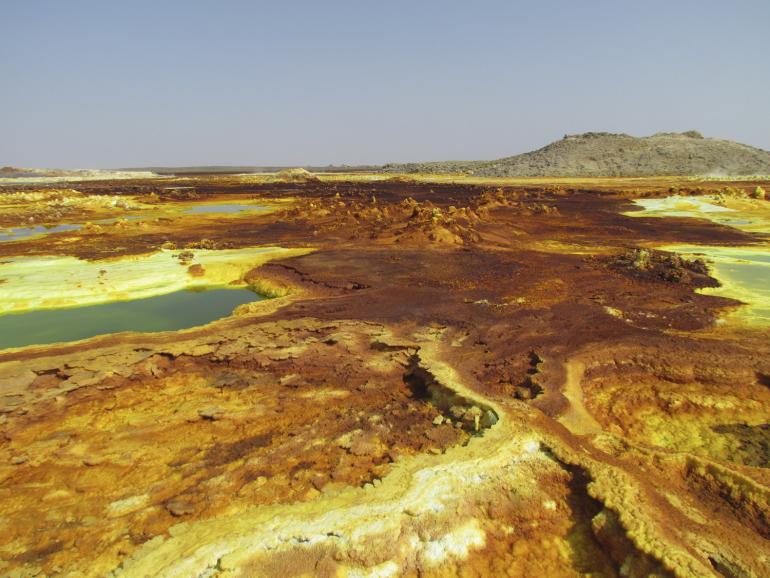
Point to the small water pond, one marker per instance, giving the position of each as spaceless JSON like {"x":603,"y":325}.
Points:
{"x":705,"y":207}
{"x":170,"y":312}
{"x":223,"y":208}
{"x":17,"y":233}
{"x":744,"y":273}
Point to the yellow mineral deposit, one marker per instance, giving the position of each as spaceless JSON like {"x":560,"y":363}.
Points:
{"x":47,"y":282}
{"x":455,"y":376}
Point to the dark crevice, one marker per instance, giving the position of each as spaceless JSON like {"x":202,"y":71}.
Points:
{"x":306,"y":278}
{"x":530,"y":387}
{"x":599,"y":542}
{"x":753,"y":443}
{"x":381,"y":346}
{"x":589,"y":555}
{"x":723,"y":490}
{"x":471,"y":415}
{"x":726,"y":568}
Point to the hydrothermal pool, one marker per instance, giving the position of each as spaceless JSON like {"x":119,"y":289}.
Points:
{"x":16,"y":233}
{"x":169,"y":312}
{"x":744,"y":273}
{"x":223,"y":208}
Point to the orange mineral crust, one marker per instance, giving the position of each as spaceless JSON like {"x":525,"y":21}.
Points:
{"x":447,"y":377}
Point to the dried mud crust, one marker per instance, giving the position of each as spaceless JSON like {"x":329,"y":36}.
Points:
{"x":268,"y":414}
{"x":459,"y":379}
{"x":682,"y":400}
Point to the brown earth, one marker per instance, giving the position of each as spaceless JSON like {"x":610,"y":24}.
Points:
{"x":459,"y":380}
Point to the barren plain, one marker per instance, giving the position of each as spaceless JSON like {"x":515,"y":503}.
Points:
{"x":446,"y":376}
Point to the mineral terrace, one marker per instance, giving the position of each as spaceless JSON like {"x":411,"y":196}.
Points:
{"x":449,"y":377}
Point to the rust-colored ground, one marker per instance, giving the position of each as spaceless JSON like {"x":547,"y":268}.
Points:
{"x":460,"y":379}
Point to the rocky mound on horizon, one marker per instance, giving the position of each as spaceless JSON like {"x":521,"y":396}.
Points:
{"x":297,"y":175}
{"x":9,"y":174}
{"x":599,"y":154}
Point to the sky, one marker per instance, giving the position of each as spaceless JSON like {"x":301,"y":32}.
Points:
{"x":192,"y":82}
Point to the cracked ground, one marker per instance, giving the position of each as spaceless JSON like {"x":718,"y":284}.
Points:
{"x":449,"y":379}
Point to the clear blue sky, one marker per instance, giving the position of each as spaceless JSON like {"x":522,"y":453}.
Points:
{"x":113,"y":84}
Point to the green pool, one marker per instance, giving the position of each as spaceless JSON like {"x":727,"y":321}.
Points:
{"x":744,"y":273}
{"x":170,"y":312}
{"x":223,"y":208}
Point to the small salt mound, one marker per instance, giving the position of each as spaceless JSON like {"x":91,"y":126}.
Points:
{"x":297,"y":175}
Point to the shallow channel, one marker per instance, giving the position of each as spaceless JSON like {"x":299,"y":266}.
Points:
{"x":169,"y":312}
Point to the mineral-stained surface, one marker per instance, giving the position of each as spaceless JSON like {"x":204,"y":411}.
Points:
{"x":468,"y":378}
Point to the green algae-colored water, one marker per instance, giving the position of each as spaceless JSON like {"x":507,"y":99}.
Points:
{"x":677,"y":206}
{"x":223,"y":208}
{"x":170,"y":312}
{"x":744,"y":273}
{"x":17,"y":233}
{"x":696,"y":207}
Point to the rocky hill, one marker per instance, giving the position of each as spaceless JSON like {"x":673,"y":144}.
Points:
{"x":596,"y":154}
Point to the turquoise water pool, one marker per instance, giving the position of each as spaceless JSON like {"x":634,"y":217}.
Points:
{"x":16,"y":233}
{"x":744,"y":273}
{"x":170,"y":312}
{"x":223,"y":208}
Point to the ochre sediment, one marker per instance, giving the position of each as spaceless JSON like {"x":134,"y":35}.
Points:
{"x":451,"y":379}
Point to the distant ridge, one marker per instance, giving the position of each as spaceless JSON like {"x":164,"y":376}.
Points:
{"x":600,"y":154}
{"x":246,"y":169}
{"x":591,"y":154}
